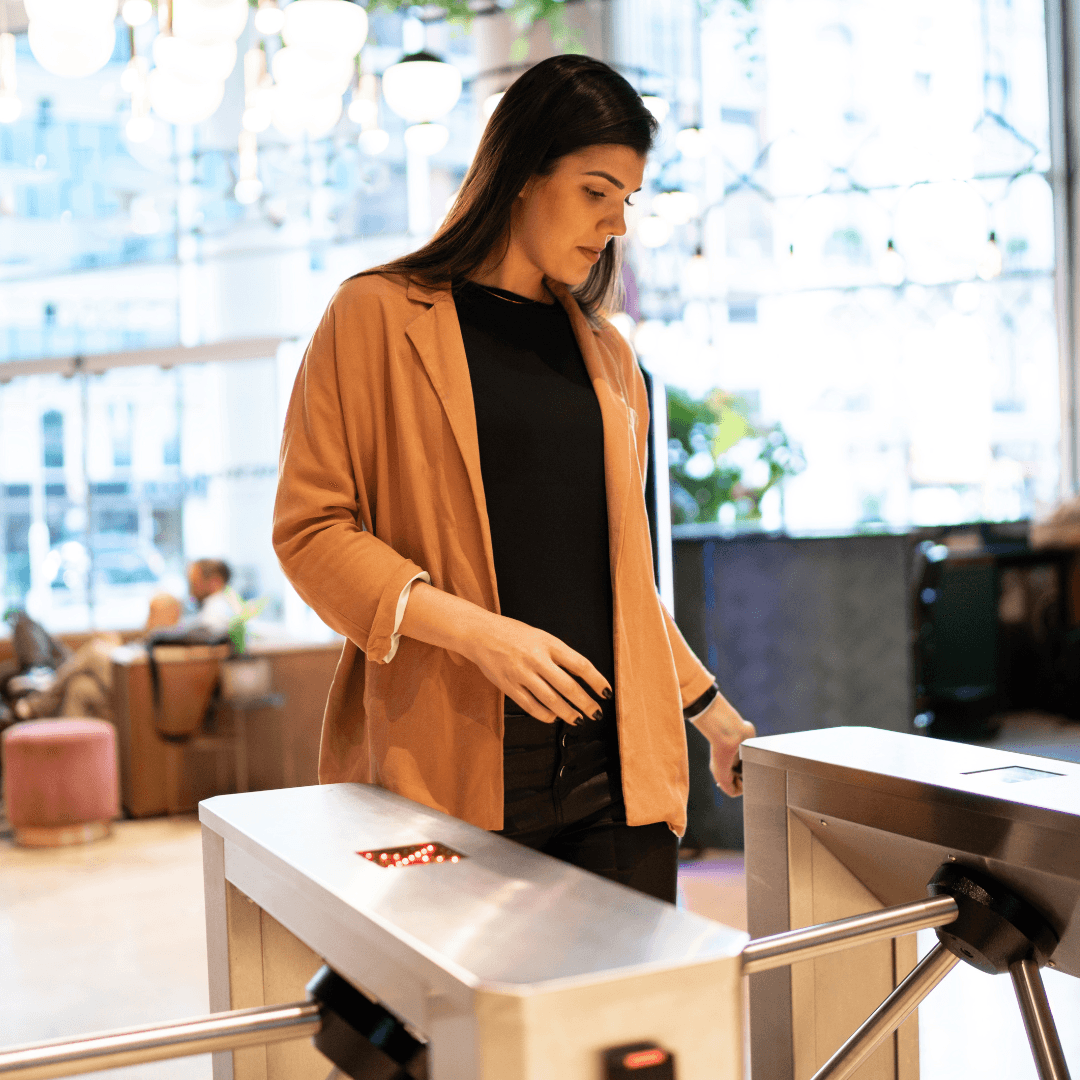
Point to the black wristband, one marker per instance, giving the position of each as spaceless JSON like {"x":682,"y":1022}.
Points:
{"x":695,"y":708}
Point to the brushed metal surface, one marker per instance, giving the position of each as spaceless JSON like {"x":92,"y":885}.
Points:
{"x":506,"y":918}
{"x":894,"y":807}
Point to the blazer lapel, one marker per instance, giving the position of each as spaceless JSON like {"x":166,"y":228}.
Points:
{"x":618,"y":422}
{"x":436,"y":336}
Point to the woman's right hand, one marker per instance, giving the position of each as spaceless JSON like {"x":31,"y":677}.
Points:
{"x":530,"y":666}
{"x":536,"y":669}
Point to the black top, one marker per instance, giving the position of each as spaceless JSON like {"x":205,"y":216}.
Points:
{"x":542,"y":459}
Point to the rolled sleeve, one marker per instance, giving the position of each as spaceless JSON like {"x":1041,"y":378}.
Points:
{"x":399,"y":614}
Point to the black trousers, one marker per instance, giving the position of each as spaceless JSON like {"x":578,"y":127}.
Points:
{"x":563,"y":796}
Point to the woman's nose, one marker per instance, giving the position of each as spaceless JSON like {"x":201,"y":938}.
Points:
{"x":616,"y":225}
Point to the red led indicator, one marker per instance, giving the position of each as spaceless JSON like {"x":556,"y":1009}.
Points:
{"x":411,"y":855}
{"x":642,"y":1059}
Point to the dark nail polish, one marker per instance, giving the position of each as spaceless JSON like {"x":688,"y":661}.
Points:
{"x":607,"y":693}
{"x":598,"y":715}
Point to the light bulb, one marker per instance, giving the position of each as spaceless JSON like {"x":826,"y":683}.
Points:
{"x":10,"y":108}
{"x":248,"y":191}
{"x":893,"y":269}
{"x":491,"y":103}
{"x":421,"y":88}
{"x":989,"y":265}
{"x":137,"y":12}
{"x":373,"y":141}
{"x":426,"y":139}
{"x":269,"y":18}
{"x":139,"y":128}
{"x":657,"y":106}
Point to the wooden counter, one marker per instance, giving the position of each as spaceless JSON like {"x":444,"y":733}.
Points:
{"x":283,"y":744}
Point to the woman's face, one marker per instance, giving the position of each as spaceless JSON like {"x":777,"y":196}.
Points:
{"x":562,"y":222}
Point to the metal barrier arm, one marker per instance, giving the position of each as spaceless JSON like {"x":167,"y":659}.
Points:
{"x":157,"y":1042}
{"x":763,"y":954}
{"x":978,"y":920}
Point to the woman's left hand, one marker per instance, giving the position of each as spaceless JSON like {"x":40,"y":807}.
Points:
{"x":726,"y":730}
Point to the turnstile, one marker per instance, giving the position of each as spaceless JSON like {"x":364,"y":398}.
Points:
{"x":432,"y":950}
{"x":848,"y":820}
{"x":510,"y":964}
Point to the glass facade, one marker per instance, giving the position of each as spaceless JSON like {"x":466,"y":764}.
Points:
{"x":842,"y":265}
{"x":878,"y":263}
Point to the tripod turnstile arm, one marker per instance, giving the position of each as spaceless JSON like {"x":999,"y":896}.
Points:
{"x":1038,"y":1020}
{"x":156,"y":1042}
{"x":763,"y":954}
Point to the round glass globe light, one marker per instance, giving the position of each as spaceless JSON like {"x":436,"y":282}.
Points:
{"x":139,"y":128}
{"x":71,"y":53}
{"x":422,"y":90}
{"x":209,"y":21}
{"x":654,"y":231}
{"x":183,"y":101}
{"x":71,"y":14}
{"x":199,"y":63}
{"x":308,"y":74}
{"x":248,"y":191}
{"x":373,"y":141}
{"x":491,"y":103}
{"x":10,"y":108}
{"x":336,"y":26}
{"x":269,"y":19}
{"x":137,"y":12}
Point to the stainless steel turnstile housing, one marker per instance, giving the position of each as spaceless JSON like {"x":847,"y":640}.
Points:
{"x":848,"y":820}
{"x":513,"y":966}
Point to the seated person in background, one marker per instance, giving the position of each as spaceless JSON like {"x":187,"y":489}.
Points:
{"x":82,"y":685}
{"x":207,"y":579}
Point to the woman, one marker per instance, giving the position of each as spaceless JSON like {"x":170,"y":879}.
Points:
{"x":461,"y":496}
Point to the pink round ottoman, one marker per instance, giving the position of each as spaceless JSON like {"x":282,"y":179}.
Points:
{"x":60,"y":781}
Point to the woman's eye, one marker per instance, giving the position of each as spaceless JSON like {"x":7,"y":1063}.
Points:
{"x":595,"y":194}
{"x":628,"y":202}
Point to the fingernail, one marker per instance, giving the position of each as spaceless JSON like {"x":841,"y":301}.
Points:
{"x":598,"y":715}
{"x":607,"y":692}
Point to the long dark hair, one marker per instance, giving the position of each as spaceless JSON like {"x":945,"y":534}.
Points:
{"x":561,"y":105}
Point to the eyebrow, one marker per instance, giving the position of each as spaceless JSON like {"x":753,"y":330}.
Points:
{"x":607,"y":176}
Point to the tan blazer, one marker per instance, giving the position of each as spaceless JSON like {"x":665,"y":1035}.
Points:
{"x":380,"y":481}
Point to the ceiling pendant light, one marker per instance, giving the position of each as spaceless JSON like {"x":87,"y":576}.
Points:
{"x":186,"y":59}
{"x":421,"y":88}
{"x":269,"y":18}
{"x":325,"y":26}
{"x":183,"y":101}
{"x":72,"y":52}
{"x":209,"y":22}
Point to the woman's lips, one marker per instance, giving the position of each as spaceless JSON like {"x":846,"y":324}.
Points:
{"x":592,"y":254}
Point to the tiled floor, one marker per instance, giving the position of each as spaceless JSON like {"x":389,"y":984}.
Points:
{"x":111,"y":934}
